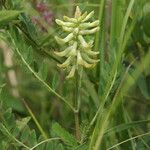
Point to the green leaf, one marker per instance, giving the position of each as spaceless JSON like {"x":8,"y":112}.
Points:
{"x":91,"y":90}
{"x":8,"y":15}
{"x":9,"y":101}
{"x":3,"y":130}
{"x":23,"y":122}
{"x":142,"y":84}
{"x":28,"y":54}
{"x":28,"y":26}
{"x":8,"y":119}
{"x":146,"y":24}
{"x":60,"y":147}
{"x":25,"y":134}
{"x":54,"y":146}
{"x":42,"y":146}
{"x":82,"y":147}
{"x":3,"y":145}
{"x":68,"y":138}
{"x":55,"y":81}
{"x":126,"y":126}
{"x":43,"y":70}
{"x":33,"y":138}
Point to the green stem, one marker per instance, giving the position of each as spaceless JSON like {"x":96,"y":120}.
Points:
{"x":100,"y":16}
{"x":76,"y":113}
{"x":78,"y":77}
{"x":77,"y":125}
{"x":45,"y":141}
{"x":36,"y":121}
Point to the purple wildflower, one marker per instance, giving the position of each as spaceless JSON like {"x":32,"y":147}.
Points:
{"x":48,"y":16}
{"x":41,"y":7}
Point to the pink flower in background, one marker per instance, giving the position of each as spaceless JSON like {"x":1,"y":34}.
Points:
{"x":48,"y":16}
{"x":41,"y":7}
{"x":45,"y":15}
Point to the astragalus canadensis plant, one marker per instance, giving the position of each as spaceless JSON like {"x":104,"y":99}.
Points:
{"x":78,"y":51}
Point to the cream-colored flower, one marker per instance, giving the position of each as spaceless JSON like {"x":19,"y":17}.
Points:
{"x":78,"y":52}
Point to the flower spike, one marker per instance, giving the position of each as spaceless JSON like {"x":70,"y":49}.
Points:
{"x":78,"y":51}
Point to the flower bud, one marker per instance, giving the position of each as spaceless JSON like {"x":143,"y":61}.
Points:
{"x":71,"y":73}
{"x":88,"y":16}
{"x":88,"y":59}
{"x":66,"y":63}
{"x":62,"y":23}
{"x":83,"y":42}
{"x":85,"y":32}
{"x":73,"y":20}
{"x":89,"y":25}
{"x":77,"y":12}
{"x":82,"y":17}
{"x":63,"y":53}
{"x":73,"y":49}
{"x":65,"y":40}
{"x":67,"y":29}
{"x":80,"y":61}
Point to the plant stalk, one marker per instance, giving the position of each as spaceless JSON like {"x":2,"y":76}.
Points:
{"x":77,"y":125}
{"x":78,"y":77}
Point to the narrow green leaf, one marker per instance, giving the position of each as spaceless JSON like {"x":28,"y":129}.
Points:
{"x":126,"y":126}
{"x":91,"y":90}
{"x":8,"y":15}
{"x":146,"y":24}
{"x":55,"y":81}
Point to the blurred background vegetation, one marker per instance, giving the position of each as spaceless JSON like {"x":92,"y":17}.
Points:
{"x":38,"y":28}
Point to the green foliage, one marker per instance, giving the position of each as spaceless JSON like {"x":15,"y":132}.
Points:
{"x":43,"y":70}
{"x":16,"y":134}
{"x":112,"y":100}
{"x":66,"y":137}
{"x":12,"y":131}
{"x":1,"y":86}
{"x":7,"y":16}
